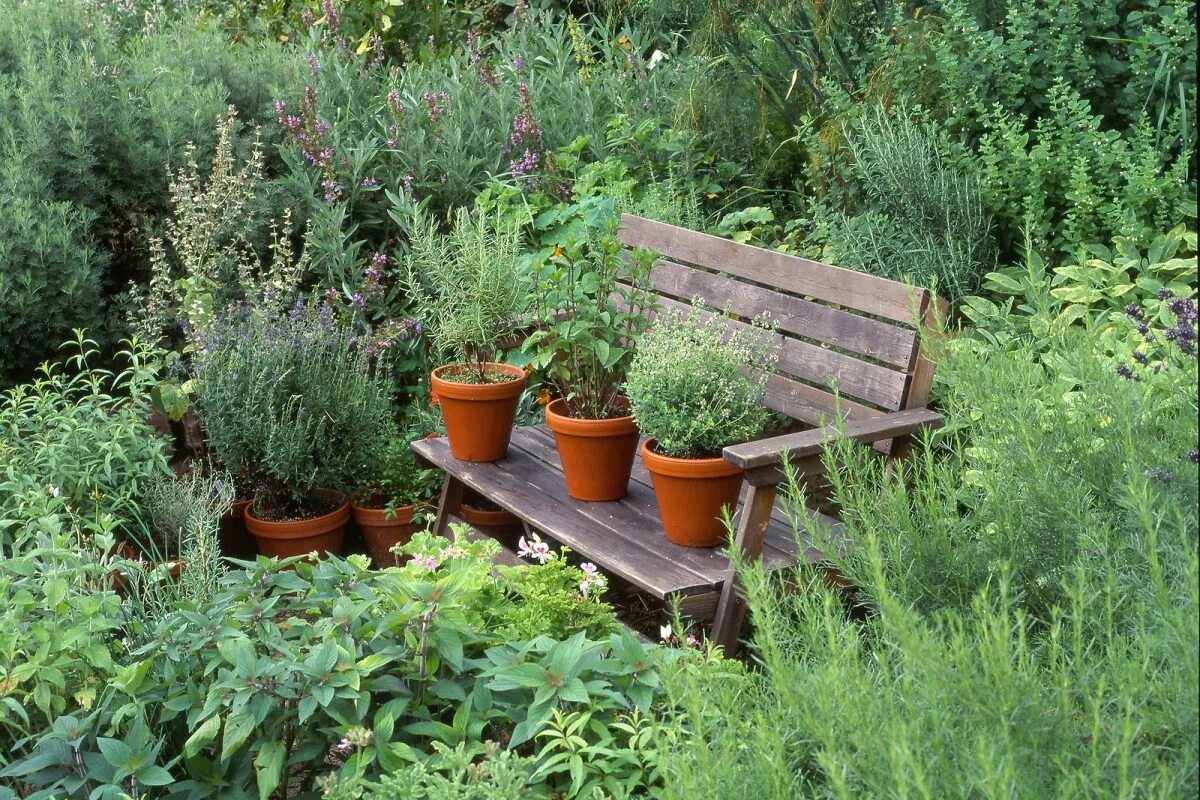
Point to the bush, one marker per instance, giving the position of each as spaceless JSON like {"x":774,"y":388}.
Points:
{"x":79,"y":433}
{"x":695,"y":388}
{"x":289,"y":402}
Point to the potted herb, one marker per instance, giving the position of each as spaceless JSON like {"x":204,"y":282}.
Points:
{"x":696,"y":388}
{"x":470,"y":292}
{"x":289,"y":400}
{"x":387,"y":508}
{"x":590,"y":304}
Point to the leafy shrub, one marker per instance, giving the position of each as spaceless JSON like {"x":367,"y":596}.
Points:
{"x":295,"y":662}
{"x":694,"y":387}
{"x":586,"y":318}
{"x":394,"y":479}
{"x":468,"y":287}
{"x":924,"y":219}
{"x":289,"y":401}
{"x":80,"y":434}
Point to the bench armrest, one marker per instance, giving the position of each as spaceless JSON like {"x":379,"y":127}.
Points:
{"x":771,"y":452}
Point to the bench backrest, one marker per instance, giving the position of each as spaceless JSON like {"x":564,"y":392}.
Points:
{"x":836,"y":327}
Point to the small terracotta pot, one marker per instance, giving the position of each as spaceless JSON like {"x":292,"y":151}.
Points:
{"x":236,"y":542}
{"x":503,"y":526}
{"x":691,"y":493}
{"x":479,"y":416}
{"x":323,"y":534}
{"x":382,"y":533}
{"x":597,"y":454}
{"x":119,"y":581}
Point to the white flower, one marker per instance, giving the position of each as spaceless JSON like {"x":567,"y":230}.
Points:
{"x":534,"y":548}
{"x":52,"y":490}
{"x":664,"y":632}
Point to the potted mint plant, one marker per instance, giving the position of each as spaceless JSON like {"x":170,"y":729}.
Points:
{"x":470,"y":291}
{"x":590,"y":304}
{"x":388,"y":507}
{"x":697,"y":388}
{"x":290,"y":400}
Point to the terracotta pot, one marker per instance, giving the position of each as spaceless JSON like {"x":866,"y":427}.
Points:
{"x":284,"y":539}
{"x":597,"y":454}
{"x":120,"y":581}
{"x":236,"y":542}
{"x":503,"y":526}
{"x":479,"y":416}
{"x":691,"y":493}
{"x":382,"y":533}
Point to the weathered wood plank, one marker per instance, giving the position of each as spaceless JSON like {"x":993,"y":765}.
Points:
{"x":768,"y":452}
{"x":885,"y":342}
{"x":845,"y":287}
{"x":853,"y":377}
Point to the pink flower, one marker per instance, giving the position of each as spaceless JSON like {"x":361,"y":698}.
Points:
{"x":534,"y":548}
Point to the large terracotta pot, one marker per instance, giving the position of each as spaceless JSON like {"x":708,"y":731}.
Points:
{"x":236,"y":542}
{"x":691,"y":493}
{"x":597,"y":454}
{"x":503,"y":526}
{"x":479,"y":416}
{"x":323,"y":534}
{"x":382,"y":532}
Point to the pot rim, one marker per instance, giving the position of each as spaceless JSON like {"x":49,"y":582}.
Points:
{"x":486,"y":516}
{"x":478,"y":391}
{"x":378,"y":516}
{"x":299,"y":529}
{"x":599,"y":428}
{"x":670,"y":466}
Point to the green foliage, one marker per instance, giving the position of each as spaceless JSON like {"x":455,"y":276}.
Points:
{"x":1031,"y":595}
{"x":549,"y":601}
{"x":79,"y":434}
{"x":448,"y":775}
{"x":590,"y":303}
{"x":696,"y":388}
{"x":924,"y":219}
{"x":89,"y":116}
{"x":255,"y":686}
{"x":468,"y":287}
{"x":393,"y":477}
{"x":289,"y":401}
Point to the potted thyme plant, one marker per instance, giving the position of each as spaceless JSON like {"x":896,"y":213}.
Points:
{"x":697,"y":388}
{"x":290,"y":400}
{"x":470,"y":291}
{"x":387,"y":509}
{"x":590,"y":304}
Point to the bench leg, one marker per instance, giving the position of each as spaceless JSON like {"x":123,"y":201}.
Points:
{"x":752,"y":529}
{"x":450,"y":503}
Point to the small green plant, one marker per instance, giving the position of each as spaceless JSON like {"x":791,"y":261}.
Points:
{"x":468,"y":288}
{"x":591,"y":304}
{"x":289,"y":403}
{"x":396,"y":479}
{"x":696,"y":387}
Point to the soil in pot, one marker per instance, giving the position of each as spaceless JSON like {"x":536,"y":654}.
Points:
{"x":382,"y":532}
{"x":691,"y":493}
{"x":282,"y":537}
{"x":597,"y":454}
{"x":478,"y":416}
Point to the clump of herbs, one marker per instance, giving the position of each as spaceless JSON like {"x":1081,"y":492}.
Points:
{"x":695,"y":386}
{"x":468,"y":288}
{"x":396,"y":478}
{"x":291,"y":400}
{"x":590,"y":303}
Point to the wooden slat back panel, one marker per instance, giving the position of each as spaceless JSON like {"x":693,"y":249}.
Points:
{"x":844,"y":287}
{"x":824,"y":369}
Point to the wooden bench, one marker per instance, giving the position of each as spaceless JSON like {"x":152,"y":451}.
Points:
{"x":850,"y":364}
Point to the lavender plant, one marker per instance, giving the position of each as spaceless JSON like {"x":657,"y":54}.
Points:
{"x":289,"y":401}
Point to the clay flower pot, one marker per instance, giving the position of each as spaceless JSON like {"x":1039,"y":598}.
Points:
{"x":236,"y":542}
{"x":284,"y":539}
{"x":691,"y":493}
{"x":382,"y":532}
{"x":503,"y":526}
{"x":479,"y":416}
{"x":597,"y":454}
